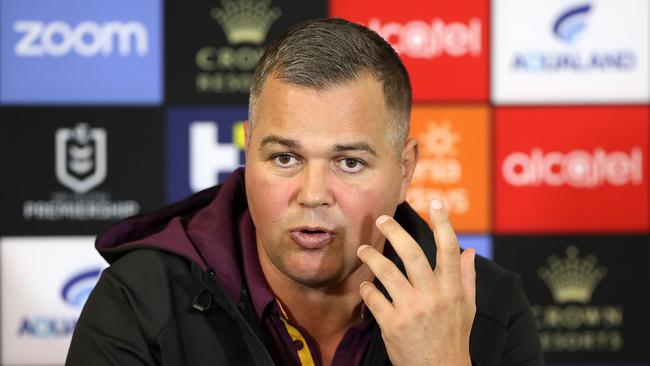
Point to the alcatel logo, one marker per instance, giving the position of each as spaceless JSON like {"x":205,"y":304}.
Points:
{"x":420,"y":39}
{"x":576,"y":168}
{"x":86,"y":39}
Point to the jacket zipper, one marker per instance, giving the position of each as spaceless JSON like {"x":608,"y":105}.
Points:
{"x":240,"y":318}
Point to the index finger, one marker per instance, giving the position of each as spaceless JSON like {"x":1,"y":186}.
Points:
{"x":415,"y":261}
{"x":447,"y":248}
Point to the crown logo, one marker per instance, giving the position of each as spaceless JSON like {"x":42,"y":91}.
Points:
{"x":245,"y":21}
{"x":572,"y":279}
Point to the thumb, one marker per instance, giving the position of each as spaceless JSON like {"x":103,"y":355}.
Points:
{"x":468,"y":273}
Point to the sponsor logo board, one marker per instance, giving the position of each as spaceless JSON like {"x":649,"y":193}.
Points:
{"x":40,"y":307}
{"x":580,"y":169}
{"x":571,"y":51}
{"x":453,"y":164}
{"x":588,"y":304}
{"x":204,"y":145}
{"x":443,"y":45}
{"x":66,"y":52}
{"x":214,"y":64}
{"x":76,"y":171}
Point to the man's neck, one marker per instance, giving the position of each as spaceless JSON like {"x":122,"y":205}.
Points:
{"x":325,"y":313}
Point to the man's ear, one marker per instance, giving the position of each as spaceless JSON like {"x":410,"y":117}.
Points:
{"x":246,"y":131}
{"x":409,"y":159}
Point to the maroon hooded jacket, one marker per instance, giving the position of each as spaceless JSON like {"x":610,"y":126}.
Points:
{"x":176,"y":293}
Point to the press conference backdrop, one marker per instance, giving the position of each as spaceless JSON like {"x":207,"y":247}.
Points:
{"x":533,"y":118}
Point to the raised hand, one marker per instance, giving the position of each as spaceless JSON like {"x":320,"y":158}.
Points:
{"x":430,"y":317}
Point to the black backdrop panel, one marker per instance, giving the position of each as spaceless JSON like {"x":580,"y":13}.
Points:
{"x":212,"y":46}
{"x":74,"y":171}
{"x":590,"y":294}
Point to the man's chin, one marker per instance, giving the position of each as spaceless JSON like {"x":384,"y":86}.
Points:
{"x":314,"y":269}
{"x":316,"y":278}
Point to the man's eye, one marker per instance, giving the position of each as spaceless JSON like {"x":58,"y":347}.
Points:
{"x":350,"y":165}
{"x":285,"y":160}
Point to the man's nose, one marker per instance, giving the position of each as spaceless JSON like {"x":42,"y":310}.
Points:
{"x":314,"y":188}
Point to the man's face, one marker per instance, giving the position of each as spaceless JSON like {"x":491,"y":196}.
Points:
{"x":319,"y":171}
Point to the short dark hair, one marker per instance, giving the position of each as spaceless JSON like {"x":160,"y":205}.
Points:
{"x":322,"y":53}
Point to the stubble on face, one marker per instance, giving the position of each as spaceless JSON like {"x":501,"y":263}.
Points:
{"x":318,"y":131}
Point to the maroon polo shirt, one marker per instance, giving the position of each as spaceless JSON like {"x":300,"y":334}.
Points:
{"x":351,"y":350}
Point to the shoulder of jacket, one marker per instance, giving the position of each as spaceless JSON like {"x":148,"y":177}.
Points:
{"x":157,"y":286}
{"x":149,"y":261}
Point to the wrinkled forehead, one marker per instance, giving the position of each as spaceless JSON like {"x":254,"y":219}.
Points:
{"x":355,"y":104}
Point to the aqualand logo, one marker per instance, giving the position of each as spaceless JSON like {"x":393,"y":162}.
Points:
{"x":75,"y":292}
{"x":428,"y":40}
{"x":571,"y":23}
{"x":577,"y":168}
{"x":570,"y":27}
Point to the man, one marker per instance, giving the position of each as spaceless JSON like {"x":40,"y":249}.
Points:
{"x":288,"y":261}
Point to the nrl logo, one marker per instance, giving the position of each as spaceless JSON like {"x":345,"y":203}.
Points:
{"x":80,"y":157}
{"x":246,"y":20}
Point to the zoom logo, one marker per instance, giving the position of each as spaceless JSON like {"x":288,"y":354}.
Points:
{"x":572,"y":23}
{"x":87,"y":39}
{"x":76,"y":290}
{"x":70,"y":52}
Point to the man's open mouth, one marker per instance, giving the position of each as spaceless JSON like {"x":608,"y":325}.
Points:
{"x":311,"y":237}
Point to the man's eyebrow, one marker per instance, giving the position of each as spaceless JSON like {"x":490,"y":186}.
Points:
{"x":359,"y":146}
{"x":294,"y":144}
{"x":274,"y":139}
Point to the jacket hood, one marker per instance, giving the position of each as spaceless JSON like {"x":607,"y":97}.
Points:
{"x":204,"y":227}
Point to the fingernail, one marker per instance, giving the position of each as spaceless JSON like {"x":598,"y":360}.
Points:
{"x":361,"y":247}
{"x":436,"y":204}
{"x":382,"y":219}
{"x":362,"y":283}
